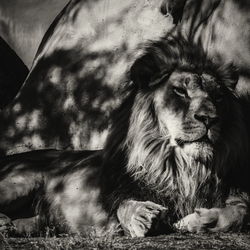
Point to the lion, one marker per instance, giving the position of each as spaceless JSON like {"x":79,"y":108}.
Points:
{"x":177,"y":156}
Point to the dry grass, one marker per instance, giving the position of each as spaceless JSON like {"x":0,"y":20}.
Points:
{"x":170,"y":242}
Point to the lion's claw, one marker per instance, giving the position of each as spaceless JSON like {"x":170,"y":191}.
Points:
{"x":140,"y":218}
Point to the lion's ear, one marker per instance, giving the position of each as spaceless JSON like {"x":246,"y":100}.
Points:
{"x":148,"y":71}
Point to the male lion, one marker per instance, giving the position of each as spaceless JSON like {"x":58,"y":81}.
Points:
{"x":177,"y":153}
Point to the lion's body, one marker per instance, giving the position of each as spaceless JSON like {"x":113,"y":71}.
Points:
{"x":179,"y":141}
{"x":56,"y":186}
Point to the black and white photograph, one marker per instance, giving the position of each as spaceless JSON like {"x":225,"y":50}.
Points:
{"x":125,"y":124}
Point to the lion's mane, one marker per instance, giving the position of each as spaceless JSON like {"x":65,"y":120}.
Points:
{"x":139,"y":161}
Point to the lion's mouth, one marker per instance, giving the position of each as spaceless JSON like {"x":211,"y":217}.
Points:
{"x":204,"y":140}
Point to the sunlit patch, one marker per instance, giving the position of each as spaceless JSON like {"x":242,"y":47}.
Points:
{"x":54,"y":75}
{"x":34,"y":120}
{"x":113,"y":39}
{"x":75,"y":131}
{"x":89,"y":66}
{"x":17,"y":107}
{"x":148,"y":17}
{"x":37,"y":141}
{"x":17,"y":184}
{"x":118,"y":70}
{"x":69,"y":103}
{"x":11,"y":132}
{"x":21,"y":122}
{"x":97,"y":139}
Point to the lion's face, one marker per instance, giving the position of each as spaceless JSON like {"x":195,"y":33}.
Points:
{"x":190,"y":111}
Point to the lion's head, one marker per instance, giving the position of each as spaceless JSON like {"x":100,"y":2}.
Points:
{"x":185,"y":130}
{"x":190,"y":112}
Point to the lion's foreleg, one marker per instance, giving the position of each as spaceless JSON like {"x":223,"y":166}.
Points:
{"x":141,"y":218}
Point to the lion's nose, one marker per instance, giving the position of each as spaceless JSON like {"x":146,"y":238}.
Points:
{"x":206,"y":119}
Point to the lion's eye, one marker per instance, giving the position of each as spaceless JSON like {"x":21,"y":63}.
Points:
{"x":180,"y":92}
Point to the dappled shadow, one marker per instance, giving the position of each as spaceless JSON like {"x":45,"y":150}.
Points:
{"x":53,"y":162}
{"x":79,"y":75}
{"x":27,"y":181}
{"x":56,"y":186}
{"x":71,"y":97}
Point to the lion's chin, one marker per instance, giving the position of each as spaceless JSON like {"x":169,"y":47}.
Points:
{"x":199,"y":150}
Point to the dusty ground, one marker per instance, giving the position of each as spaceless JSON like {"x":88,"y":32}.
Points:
{"x":170,"y":242}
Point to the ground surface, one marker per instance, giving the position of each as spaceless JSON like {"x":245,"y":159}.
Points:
{"x":169,"y":242}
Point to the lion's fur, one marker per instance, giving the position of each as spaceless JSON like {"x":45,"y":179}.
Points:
{"x":139,"y":160}
{"x":53,"y":184}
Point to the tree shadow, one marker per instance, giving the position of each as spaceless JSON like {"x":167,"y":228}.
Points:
{"x":79,"y":76}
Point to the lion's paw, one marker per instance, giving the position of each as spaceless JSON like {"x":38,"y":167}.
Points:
{"x":229,"y":218}
{"x":198,"y":221}
{"x":138,"y":219}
